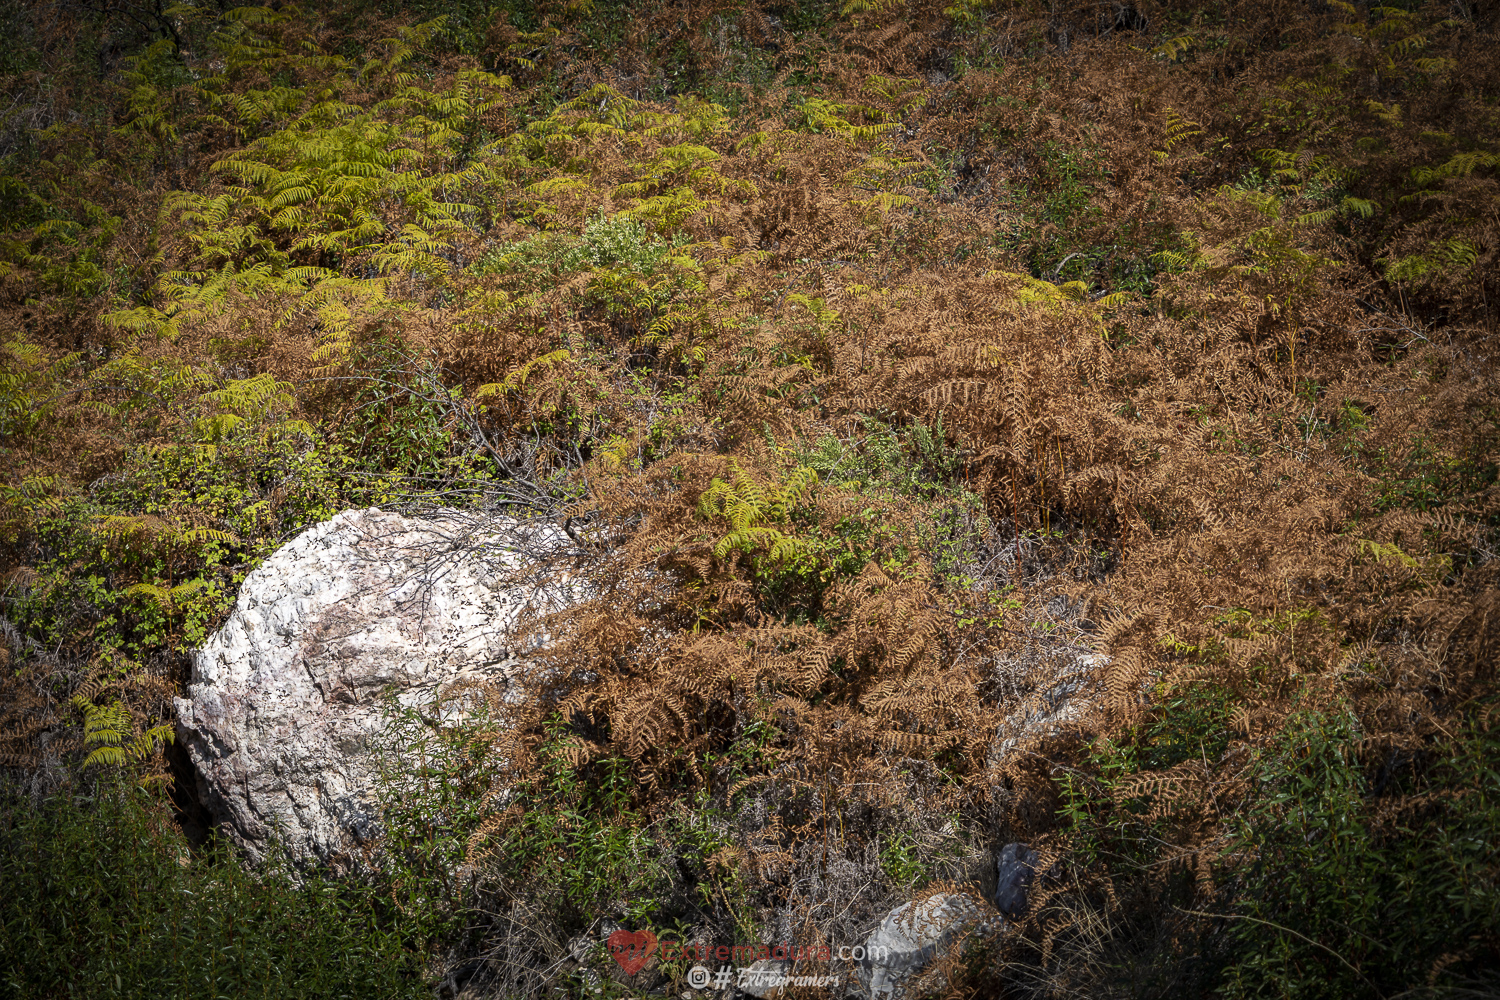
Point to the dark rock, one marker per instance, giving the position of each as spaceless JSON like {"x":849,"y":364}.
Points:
{"x":1016,"y":867}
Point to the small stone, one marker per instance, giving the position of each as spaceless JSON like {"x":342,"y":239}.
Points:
{"x":1016,"y":867}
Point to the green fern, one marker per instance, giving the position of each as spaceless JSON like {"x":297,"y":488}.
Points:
{"x":1175,"y":49}
{"x":516,"y":380}
{"x":109,"y":730}
{"x":256,"y":404}
{"x":1438,"y":257}
{"x":1460,"y":165}
{"x":904,"y":93}
{"x":1178,"y":130}
{"x":857,"y":10}
{"x":254,"y":395}
{"x":167,"y":597}
{"x":147,"y":532}
{"x":819,"y":115}
{"x":751,"y":507}
{"x":822,"y":314}
{"x":965,"y":13}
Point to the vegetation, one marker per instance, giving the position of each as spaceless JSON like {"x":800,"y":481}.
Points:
{"x":889,"y":351}
{"x":103,"y":900}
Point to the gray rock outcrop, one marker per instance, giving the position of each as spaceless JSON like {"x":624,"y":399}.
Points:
{"x":286,"y":697}
{"x":1060,"y":694}
{"x":913,"y":935}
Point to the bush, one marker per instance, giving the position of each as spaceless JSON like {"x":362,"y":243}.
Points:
{"x":1364,"y":887}
{"x":101,"y":898}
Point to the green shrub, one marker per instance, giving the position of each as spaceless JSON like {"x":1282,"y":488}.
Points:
{"x":1366,"y":881}
{"x":901,"y":861}
{"x":438,"y":784}
{"x":608,"y":242}
{"x":99,"y":897}
{"x":578,"y":831}
{"x":172,"y":516}
{"x":1126,"y":830}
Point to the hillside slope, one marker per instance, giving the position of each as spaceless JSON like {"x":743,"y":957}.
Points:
{"x":881,"y":353}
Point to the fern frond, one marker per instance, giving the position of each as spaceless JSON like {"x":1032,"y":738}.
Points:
{"x":748,"y":539}
{"x":161,"y":595}
{"x":1173,"y":49}
{"x":257,"y":393}
{"x":1461,"y":165}
{"x":516,"y":380}
{"x":1317,"y":218}
{"x":112,"y":755}
{"x":194,"y":536}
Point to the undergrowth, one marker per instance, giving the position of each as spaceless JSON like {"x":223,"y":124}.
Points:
{"x":893,"y":356}
{"x":105,"y":899}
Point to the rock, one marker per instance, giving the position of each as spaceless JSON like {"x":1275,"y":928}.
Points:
{"x":285,"y":698}
{"x":1061,"y":696}
{"x":914,"y":934}
{"x":1016,"y":868}
{"x":593,"y":942}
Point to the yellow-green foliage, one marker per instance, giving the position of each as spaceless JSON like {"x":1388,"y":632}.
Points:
{"x":517,"y":379}
{"x":110,"y":730}
{"x":258,"y":402}
{"x":751,"y":507}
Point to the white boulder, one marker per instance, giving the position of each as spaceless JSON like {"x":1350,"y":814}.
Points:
{"x":286,"y":697}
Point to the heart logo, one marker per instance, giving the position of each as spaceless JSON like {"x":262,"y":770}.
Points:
{"x":632,"y":949}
